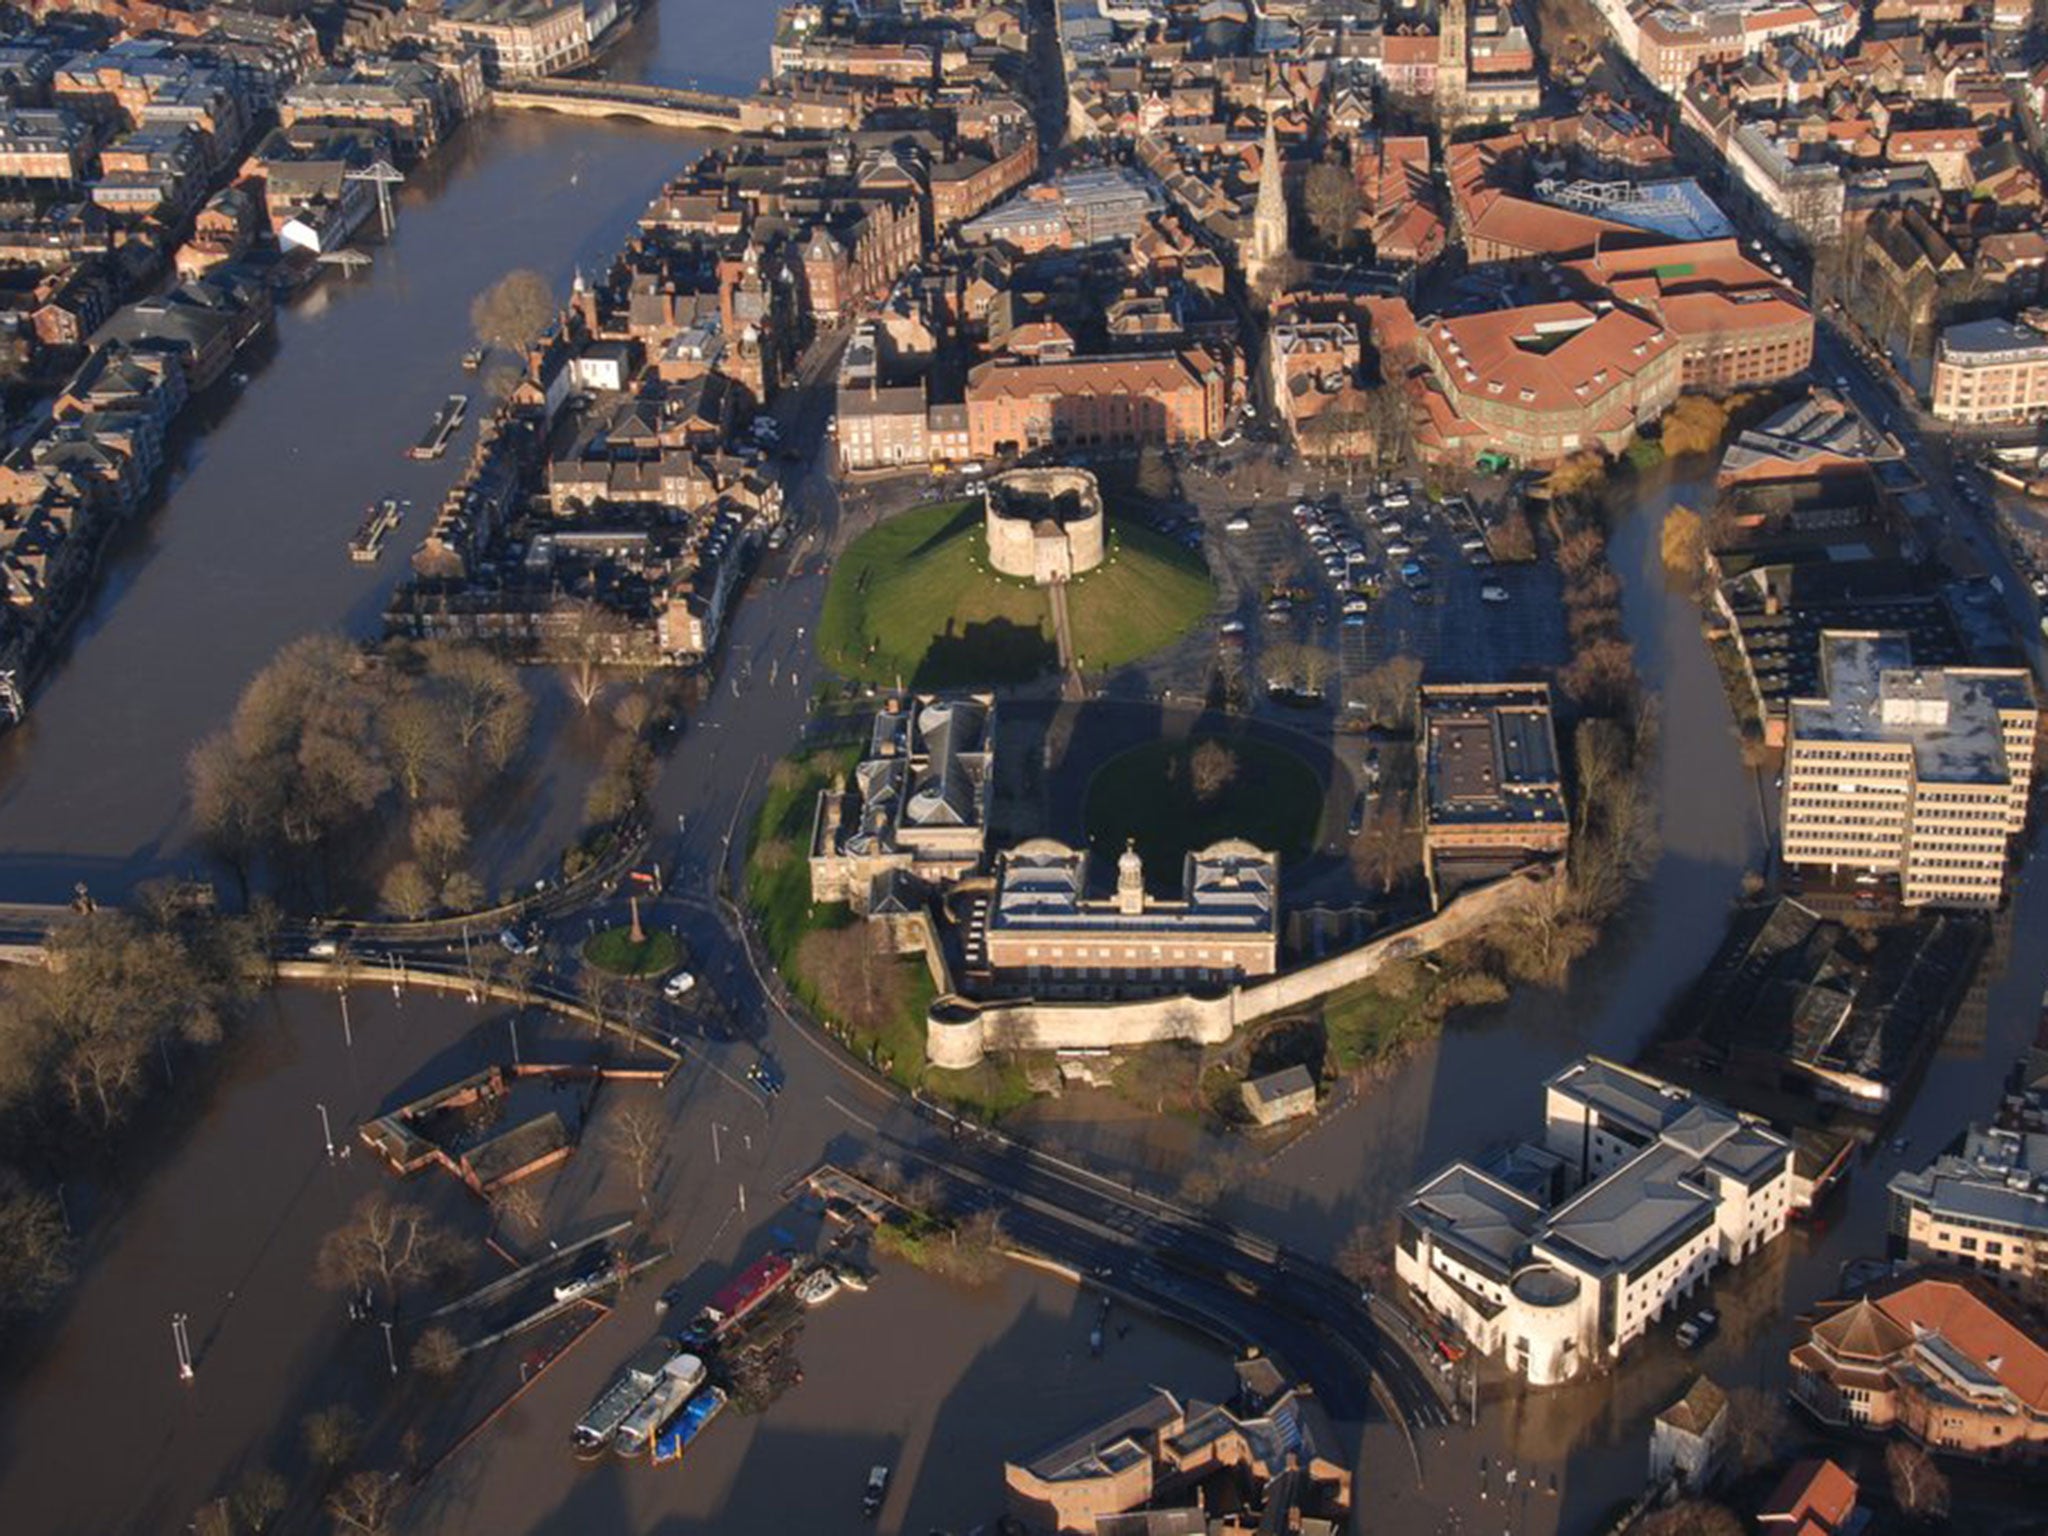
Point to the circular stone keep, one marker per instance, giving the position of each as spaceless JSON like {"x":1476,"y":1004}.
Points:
{"x":1044,"y":525}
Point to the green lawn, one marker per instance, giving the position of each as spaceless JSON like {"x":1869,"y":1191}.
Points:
{"x":914,"y":600}
{"x":614,"y":950}
{"x":1275,"y":801}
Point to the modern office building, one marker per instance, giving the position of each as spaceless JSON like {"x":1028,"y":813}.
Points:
{"x":1555,"y":1257}
{"x":1982,"y":1208}
{"x":1921,"y":773}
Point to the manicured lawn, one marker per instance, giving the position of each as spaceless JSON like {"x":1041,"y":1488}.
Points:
{"x":1275,"y":801}
{"x":1143,"y":597}
{"x":615,"y":951}
{"x":914,"y":600}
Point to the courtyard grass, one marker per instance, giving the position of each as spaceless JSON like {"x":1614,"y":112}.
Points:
{"x":1275,"y":801}
{"x":914,"y":601}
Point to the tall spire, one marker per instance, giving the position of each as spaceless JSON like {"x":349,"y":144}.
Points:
{"x":1269,"y":217}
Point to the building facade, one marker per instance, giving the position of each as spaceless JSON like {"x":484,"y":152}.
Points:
{"x":1933,"y":1359}
{"x":1990,"y":373}
{"x":1918,"y":773}
{"x":1045,"y":935}
{"x":1983,"y":1208}
{"x":1558,"y":1256}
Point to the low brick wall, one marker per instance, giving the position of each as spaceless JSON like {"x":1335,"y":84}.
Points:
{"x":959,"y":1033}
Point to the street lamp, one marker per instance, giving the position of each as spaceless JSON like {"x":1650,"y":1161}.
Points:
{"x":182,"y":1341}
{"x":347,"y":1034}
{"x":390,"y":1354}
{"x":326,"y":1130}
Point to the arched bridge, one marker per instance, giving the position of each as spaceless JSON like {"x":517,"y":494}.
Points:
{"x":662,"y":105}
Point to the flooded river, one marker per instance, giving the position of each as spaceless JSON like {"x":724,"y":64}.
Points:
{"x":246,"y":551}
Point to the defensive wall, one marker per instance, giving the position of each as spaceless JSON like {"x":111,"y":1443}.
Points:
{"x":959,"y":1032}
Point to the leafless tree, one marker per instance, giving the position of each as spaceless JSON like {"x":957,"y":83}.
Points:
{"x":1918,"y":1486}
{"x":1758,"y":1427}
{"x":213,"y":1518}
{"x":1390,"y":691}
{"x":437,"y":1354}
{"x":1331,"y":200}
{"x":512,"y":311}
{"x":332,"y":1436}
{"x":1692,"y":1517}
{"x":439,"y":838}
{"x":1212,"y":768}
{"x":636,"y":1136}
{"x":1367,"y":1257}
{"x":259,"y":1497}
{"x":519,"y":1207}
{"x":488,"y":708}
{"x":385,"y":1243}
{"x":407,"y":891}
{"x":366,"y":1502}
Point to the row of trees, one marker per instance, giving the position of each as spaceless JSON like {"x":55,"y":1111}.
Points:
{"x":83,"y":1041}
{"x":328,"y":745}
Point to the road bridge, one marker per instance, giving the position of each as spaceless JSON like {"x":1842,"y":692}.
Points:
{"x":664,"y":106}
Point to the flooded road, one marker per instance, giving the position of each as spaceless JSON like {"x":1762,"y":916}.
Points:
{"x":246,"y":551}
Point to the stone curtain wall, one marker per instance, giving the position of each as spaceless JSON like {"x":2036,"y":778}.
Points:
{"x":960,"y":1033}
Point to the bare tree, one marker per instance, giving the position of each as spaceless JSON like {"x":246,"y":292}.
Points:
{"x":1918,"y":1486}
{"x":513,"y":310}
{"x":1387,"y":852}
{"x":384,"y":1243}
{"x":437,"y":1354}
{"x":332,"y":1436}
{"x":600,"y":992}
{"x":213,"y":1518}
{"x":519,"y":1207}
{"x":636,"y":1136}
{"x":488,"y":708}
{"x":1389,"y":691}
{"x":417,"y":742}
{"x":1212,"y":768}
{"x":1367,"y":1257}
{"x":1758,"y":1425}
{"x":1692,"y":1517}
{"x":259,"y":1497}
{"x":407,"y":891}
{"x":439,"y":838}
{"x":1332,"y":201}
{"x":366,"y":1502}
{"x":590,"y":639}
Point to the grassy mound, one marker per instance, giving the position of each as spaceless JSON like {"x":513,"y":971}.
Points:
{"x":914,"y":599}
{"x":1150,"y":793}
{"x":615,"y":951}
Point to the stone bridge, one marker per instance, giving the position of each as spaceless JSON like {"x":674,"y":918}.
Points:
{"x":661,"y":105}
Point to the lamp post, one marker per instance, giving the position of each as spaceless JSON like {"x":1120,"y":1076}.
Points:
{"x":347,"y":1034}
{"x":182,"y":1341}
{"x":326,"y":1130}
{"x":390,"y":1354}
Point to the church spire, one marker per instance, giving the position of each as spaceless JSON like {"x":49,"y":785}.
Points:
{"x":1269,"y":217}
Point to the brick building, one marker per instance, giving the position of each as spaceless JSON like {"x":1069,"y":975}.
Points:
{"x":1122,"y":401}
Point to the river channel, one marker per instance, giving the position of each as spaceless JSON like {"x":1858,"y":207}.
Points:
{"x":246,"y":550}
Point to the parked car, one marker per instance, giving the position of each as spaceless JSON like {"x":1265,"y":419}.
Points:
{"x":678,"y":986}
{"x":1356,"y":824}
{"x":593,"y":1272}
{"x":513,"y":942}
{"x":1492,"y":592}
{"x":766,"y":1076}
{"x":1698,"y":1328}
{"x":1238,"y":524}
{"x":876,"y":1491}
